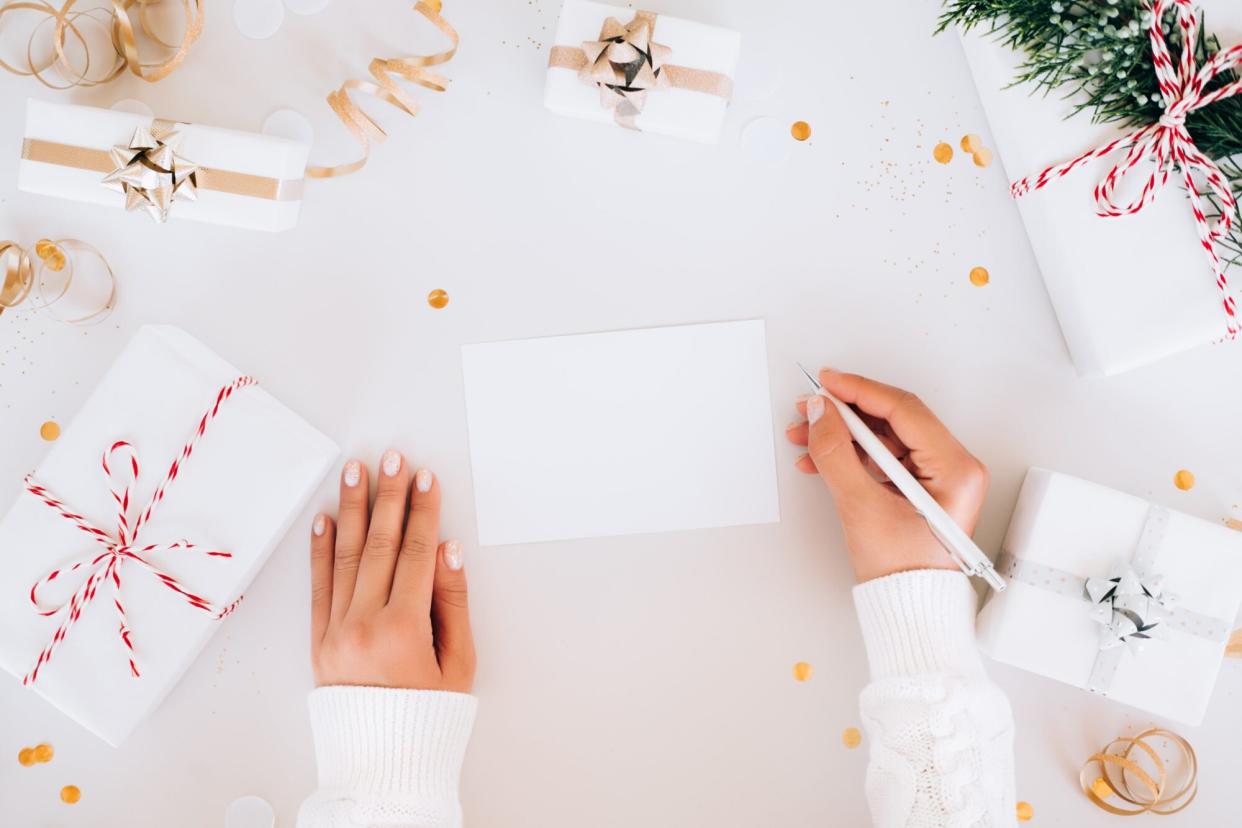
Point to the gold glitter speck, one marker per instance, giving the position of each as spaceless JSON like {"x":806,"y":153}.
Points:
{"x":1184,"y":479}
{"x":70,"y":794}
{"x":802,"y":671}
{"x":50,"y":430}
{"x":943,"y":153}
{"x":851,"y":737}
{"x":1025,"y":812}
{"x":1101,"y":788}
{"x":979,"y":276}
{"x":971,"y":143}
{"x":26,"y":757}
{"x":983,"y":157}
{"x":438,"y":299}
{"x":800,"y":130}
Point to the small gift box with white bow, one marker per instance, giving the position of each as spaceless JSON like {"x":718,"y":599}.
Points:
{"x":1116,"y":595}
{"x":117,"y":572}
{"x":641,"y":71}
{"x":163,"y":169}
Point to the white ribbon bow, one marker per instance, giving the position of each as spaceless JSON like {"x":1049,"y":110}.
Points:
{"x":1130,"y":607}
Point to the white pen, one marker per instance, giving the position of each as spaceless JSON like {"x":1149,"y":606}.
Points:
{"x":959,"y":545}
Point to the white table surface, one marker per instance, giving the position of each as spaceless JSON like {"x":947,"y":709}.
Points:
{"x":628,"y":681}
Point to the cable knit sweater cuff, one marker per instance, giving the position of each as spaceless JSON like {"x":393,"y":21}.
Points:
{"x":379,"y":743}
{"x":919,"y":622}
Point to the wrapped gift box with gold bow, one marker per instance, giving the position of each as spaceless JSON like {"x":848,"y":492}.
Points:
{"x":1116,"y":595}
{"x":165,"y":169}
{"x":641,"y":71}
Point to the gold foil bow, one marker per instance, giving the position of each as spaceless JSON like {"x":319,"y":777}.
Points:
{"x":626,"y":64}
{"x":150,"y":172}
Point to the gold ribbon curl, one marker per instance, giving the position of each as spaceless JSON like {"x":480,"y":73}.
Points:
{"x":1147,"y":788}
{"x":66,"y":19}
{"x":21,"y":278}
{"x":385,"y":88}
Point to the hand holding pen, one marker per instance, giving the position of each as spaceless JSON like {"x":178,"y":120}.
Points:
{"x":884,"y":532}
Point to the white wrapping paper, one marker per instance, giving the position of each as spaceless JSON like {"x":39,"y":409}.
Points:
{"x":681,"y":113}
{"x":1127,"y":291}
{"x":224,"y":149}
{"x":1086,"y":529}
{"x":247,"y":480}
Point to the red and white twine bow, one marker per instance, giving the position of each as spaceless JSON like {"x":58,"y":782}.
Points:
{"x":120,"y":466}
{"x":1168,"y":143}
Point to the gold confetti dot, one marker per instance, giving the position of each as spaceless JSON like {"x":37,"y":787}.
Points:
{"x":800,"y":130}
{"x":53,"y":257}
{"x":438,"y":299}
{"x":43,"y":753}
{"x":971,"y":143}
{"x":983,"y":157}
{"x":1184,"y":479}
{"x":851,"y":737}
{"x":802,"y":671}
{"x":1025,"y":812}
{"x":1101,"y":788}
{"x":979,"y":276}
{"x":26,"y":757}
{"x":70,"y":794}
{"x":943,"y":153}
{"x":50,"y":430}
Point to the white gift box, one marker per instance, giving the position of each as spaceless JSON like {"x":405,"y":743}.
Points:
{"x":245,"y":179}
{"x":247,"y":479}
{"x":699,"y":56}
{"x":1127,"y":291}
{"x":1066,"y":530}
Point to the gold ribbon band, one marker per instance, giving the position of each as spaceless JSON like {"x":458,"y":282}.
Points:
{"x":221,"y":181}
{"x":679,"y":77}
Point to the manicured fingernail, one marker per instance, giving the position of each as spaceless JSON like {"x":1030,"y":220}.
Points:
{"x":319,"y":526}
{"x":353,"y":473}
{"x":452,"y":555}
{"x":422,"y":480}
{"x":814,"y":409}
{"x":391,"y":463}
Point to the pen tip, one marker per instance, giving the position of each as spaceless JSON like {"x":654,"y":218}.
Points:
{"x":809,"y":375}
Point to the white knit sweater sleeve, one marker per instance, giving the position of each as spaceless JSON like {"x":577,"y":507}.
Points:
{"x":387,"y":757}
{"x":940,"y":733}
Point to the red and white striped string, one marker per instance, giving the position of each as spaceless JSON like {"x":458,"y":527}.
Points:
{"x":1167,"y":143}
{"x":120,"y":467}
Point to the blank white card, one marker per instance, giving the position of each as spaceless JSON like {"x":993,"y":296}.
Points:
{"x":620,"y":433}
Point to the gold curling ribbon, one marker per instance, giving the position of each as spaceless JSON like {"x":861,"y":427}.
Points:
{"x":385,"y":88}
{"x":66,"y":21}
{"x":1134,"y":772}
{"x":21,"y":278}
